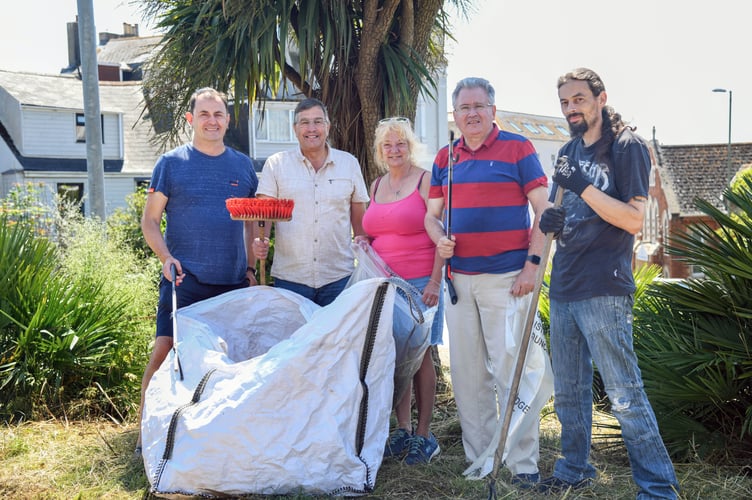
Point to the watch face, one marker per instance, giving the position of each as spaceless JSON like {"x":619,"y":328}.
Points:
{"x":534,"y":259}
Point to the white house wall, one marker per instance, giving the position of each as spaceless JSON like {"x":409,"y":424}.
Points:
{"x":11,"y":179}
{"x":547,"y":154}
{"x":10,"y":115}
{"x":51,"y":133}
{"x":116,"y":187}
{"x":8,"y":161}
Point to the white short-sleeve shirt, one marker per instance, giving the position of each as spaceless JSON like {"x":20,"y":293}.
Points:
{"x":313,"y":248}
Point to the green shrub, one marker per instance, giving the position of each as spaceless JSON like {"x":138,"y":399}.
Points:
{"x":125,"y":224}
{"x":695,"y":338}
{"x":75,"y":320}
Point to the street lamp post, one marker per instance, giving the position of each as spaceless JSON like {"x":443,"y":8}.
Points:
{"x":729,"y":172}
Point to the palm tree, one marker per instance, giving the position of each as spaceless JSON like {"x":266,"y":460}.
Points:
{"x":363,"y":58}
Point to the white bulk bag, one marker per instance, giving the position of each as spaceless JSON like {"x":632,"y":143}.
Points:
{"x":279,"y":396}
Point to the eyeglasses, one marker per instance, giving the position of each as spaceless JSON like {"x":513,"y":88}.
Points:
{"x":317,"y":122}
{"x":467,"y":108}
{"x":395,"y":119}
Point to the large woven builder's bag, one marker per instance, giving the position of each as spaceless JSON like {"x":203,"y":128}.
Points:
{"x":279,"y":396}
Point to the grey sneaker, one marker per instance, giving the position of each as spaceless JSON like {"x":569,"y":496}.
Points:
{"x":421,"y":450}
{"x":396,"y":445}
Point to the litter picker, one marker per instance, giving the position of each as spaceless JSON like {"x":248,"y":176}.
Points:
{"x":175,"y":360}
{"x":261,"y":210}
{"x":527,"y":332}
{"x":450,"y":181}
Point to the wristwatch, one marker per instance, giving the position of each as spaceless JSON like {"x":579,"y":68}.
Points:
{"x":535,"y":259}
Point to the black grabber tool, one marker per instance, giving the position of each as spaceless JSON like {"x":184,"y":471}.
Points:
{"x":175,"y":360}
{"x":450,"y":180}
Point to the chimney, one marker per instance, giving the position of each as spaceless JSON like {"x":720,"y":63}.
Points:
{"x":130,"y":29}
{"x":74,"y":48}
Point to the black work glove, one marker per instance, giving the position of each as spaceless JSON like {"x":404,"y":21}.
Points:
{"x":569,"y":176}
{"x":552,"y":220}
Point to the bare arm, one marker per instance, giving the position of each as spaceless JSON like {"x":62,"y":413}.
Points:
{"x":525,"y":282}
{"x":151,"y":221}
{"x":357,"y":209}
{"x":627,"y":216}
{"x":435,"y":228}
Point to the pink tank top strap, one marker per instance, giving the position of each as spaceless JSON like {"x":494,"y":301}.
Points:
{"x":420,"y":180}
{"x":376,"y":186}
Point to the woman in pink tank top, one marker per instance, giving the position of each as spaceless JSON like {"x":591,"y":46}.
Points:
{"x":394,"y":222}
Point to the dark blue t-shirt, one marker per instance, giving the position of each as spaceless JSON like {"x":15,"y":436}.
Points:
{"x":594,"y":258}
{"x":200,"y":232}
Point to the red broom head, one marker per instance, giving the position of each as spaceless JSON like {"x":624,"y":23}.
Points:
{"x":260,"y":208}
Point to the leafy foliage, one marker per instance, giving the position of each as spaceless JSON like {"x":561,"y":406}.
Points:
{"x":694,"y":338}
{"x":125,"y":224}
{"x":363,"y":58}
{"x":73,"y":316}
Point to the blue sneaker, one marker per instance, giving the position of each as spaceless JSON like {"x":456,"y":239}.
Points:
{"x":396,"y":445}
{"x":421,"y":450}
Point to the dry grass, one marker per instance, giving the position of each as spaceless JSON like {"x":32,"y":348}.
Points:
{"x":88,"y":460}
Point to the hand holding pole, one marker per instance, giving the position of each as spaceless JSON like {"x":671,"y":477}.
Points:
{"x":450,"y":180}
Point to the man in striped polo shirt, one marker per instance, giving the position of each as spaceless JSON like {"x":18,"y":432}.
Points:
{"x":494,"y":254}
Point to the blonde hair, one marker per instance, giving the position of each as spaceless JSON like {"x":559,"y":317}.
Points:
{"x":403,"y":129}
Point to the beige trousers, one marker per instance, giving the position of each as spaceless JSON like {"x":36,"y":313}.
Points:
{"x":483,"y":345}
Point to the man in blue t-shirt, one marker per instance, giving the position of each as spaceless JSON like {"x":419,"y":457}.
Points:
{"x":210,"y":251}
{"x":605,"y":170}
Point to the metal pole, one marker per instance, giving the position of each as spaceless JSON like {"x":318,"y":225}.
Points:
{"x":729,"y":173}
{"x":90,"y":83}
{"x":728,"y":149}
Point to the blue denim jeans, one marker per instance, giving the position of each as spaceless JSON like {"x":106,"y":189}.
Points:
{"x":437,"y":327}
{"x":322,"y":296}
{"x":600,"y":330}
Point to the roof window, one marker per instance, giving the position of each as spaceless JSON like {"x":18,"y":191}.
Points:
{"x":531,"y":127}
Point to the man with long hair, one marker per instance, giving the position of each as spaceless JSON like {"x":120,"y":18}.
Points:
{"x":605,"y":170}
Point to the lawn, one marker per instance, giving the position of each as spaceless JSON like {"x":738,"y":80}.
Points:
{"x":92,"y":460}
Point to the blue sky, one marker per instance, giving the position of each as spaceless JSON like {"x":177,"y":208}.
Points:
{"x":659,"y":59}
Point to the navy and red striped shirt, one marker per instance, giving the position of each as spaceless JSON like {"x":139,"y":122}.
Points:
{"x":490,"y":214}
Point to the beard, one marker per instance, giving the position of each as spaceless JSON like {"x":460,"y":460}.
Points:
{"x":579,"y":128}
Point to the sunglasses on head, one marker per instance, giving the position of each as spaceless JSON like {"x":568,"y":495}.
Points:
{"x":395,"y":119}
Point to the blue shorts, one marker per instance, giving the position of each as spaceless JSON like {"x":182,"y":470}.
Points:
{"x":189,"y":291}
{"x":437,"y":328}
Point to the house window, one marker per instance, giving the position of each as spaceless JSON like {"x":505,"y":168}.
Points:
{"x":71,"y":193}
{"x":274,"y":125}
{"x":546,"y":129}
{"x":562,"y":130}
{"x":514,"y":125}
{"x":531,"y":127}
{"x":81,"y":127}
